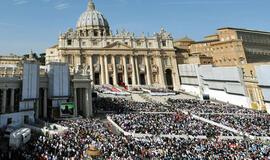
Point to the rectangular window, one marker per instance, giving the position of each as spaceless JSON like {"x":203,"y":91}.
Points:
{"x":164,"y":43}
{"x":139,"y":44}
{"x":109,"y":59}
{"x":95,"y":33}
{"x":140,"y":60}
{"x":117,"y":60}
{"x":154,"y":78}
{"x":69,"y":59}
{"x":150,"y":44}
{"x":95,"y":60}
{"x":69,"y":42}
{"x":108,"y":43}
{"x":167,"y":61}
{"x":127,"y":60}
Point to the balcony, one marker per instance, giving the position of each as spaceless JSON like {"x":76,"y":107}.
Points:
{"x":154,"y":69}
{"x":110,"y":67}
{"x":119,"y":68}
{"x":129,"y":67}
{"x":142,"y":68}
{"x":96,"y":68}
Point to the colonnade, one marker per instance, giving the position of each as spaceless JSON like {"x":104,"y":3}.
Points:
{"x":132,"y":74}
{"x":45,"y":103}
{"x":82,"y":101}
{"x":4,"y":100}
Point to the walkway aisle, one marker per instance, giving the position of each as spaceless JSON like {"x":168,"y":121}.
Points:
{"x":138,"y":98}
{"x":226,"y":127}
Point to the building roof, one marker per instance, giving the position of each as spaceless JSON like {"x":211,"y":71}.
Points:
{"x":185,"y":39}
{"x":215,"y":34}
{"x":244,"y":30}
{"x":91,"y":17}
{"x":55,"y":46}
{"x":205,"y":41}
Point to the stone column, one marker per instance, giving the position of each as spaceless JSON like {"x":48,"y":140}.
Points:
{"x":106,"y":70}
{"x":114,"y":71}
{"x":137,"y":71}
{"x":45,"y":107}
{"x":37,"y":109}
{"x":102,"y":70}
{"x":90,"y":102}
{"x":79,"y":59}
{"x":4,"y":101}
{"x":75,"y":113}
{"x":12,"y":100}
{"x":148,"y":71}
{"x":133,"y":71}
{"x":258,"y":97}
{"x":88,"y":105}
{"x":176,"y":78}
{"x":78,"y":93}
{"x":125,"y":70}
{"x":161,"y":73}
{"x":91,"y":69}
{"x":81,"y":100}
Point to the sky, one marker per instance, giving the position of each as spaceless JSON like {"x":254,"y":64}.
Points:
{"x":35,"y":25}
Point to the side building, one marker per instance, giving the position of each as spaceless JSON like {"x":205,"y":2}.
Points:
{"x":225,"y":84}
{"x":243,"y":85}
{"x":42,"y":92}
{"x":234,"y":46}
{"x":11,"y":60}
{"x":264,"y":83}
{"x":183,"y":55}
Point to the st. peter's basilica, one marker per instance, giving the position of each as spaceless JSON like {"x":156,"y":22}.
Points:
{"x":119,"y":58}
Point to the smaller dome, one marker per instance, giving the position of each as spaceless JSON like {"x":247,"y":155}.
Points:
{"x":185,"y":39}
{"x":92,"y":17}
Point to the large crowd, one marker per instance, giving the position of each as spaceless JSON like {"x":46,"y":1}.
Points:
{"x":203,"y":107}
{"x":167,"y":124}
{"x":253,"y":125}
{"x":256,"y":123}
{"x":83,"y":134}
{"x":121,"y":105}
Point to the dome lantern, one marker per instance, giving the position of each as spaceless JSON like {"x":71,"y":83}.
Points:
{"x":91,"y":5}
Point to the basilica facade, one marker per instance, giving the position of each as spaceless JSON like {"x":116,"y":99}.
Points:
{"x":119,"y":58}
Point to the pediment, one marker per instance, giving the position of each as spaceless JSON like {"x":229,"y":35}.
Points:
{"x":118,"y":45}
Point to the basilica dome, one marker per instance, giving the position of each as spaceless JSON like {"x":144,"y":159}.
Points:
{"x":92,"y":17}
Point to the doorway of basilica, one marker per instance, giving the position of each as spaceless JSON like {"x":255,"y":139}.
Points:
{"x":96,"y":78}
{"x":120,"y":79}
{"x":111,"y":81}
{"x":142,"y":79}
{"x":169,"y":78}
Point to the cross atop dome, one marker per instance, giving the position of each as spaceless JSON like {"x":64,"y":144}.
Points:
{"x":91,"y":5}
